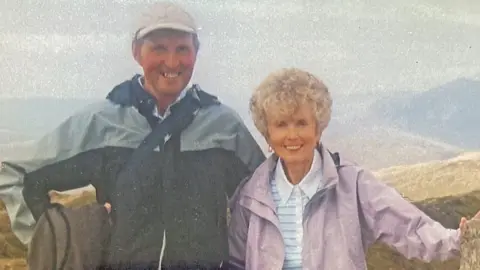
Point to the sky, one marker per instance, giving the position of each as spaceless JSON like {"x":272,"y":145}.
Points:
{"x":81,"y":49}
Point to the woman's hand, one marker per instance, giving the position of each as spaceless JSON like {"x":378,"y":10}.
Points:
{"x":463,"y":222}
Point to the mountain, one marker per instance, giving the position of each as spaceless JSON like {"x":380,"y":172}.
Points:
{"x":380,"y":146}
{"x":361,"y":139}
{"x":29,"y":118}
{"x":7,"y":136}
{"x":449,"y":113}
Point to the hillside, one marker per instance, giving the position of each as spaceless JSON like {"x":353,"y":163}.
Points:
{"x":449,"y":113}
{"x":448,"y":211}
{"x":459,"y":196}
{"x":452,"y":177}
{"x":445,"y":190}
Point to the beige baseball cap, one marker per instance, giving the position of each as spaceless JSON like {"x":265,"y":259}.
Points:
{"x":165,"y":15}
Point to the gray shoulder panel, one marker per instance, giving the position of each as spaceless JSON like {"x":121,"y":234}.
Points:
{"x":219,"y":126}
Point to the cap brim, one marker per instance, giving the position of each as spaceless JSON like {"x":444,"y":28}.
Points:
{"x":173,"y":26}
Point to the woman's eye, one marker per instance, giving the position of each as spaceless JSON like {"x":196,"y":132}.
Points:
{"x":302,"y":123}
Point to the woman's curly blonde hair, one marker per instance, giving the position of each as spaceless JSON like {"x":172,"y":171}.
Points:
{"x":284,"y":91}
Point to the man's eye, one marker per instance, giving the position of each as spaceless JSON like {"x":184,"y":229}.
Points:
{"x":183,"y":49}
{"x":159,"y":49}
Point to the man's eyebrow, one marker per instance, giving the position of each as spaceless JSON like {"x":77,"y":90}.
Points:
{"x":183,"y":46}
{"x":158,"y":46}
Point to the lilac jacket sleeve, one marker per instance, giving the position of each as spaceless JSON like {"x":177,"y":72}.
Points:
{"x":393,"y":220}
{"x":237,"y":237}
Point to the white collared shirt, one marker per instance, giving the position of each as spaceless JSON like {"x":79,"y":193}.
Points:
{"x":291,"y":201}
{"x":156,"y":111}
{"x":309,"y":184}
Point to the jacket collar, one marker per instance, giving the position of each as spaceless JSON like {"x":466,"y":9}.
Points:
{"x":131,"y":93}
{"x":309,"y":185}
{"x":257,"y":188}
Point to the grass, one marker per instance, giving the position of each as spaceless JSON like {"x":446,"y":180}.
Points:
{"x":435,"y":179}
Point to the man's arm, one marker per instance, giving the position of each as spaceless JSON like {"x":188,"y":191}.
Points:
{"x":75,"y":172}
{"x":69,"y":157}
{"x":398,"y":223}
{"x":58,"y":161}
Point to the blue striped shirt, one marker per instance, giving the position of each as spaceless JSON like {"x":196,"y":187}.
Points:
{"x":290,"y":201}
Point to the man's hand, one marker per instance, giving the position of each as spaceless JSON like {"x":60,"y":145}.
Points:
{"x":109,"y":210}
{"x":463,"y":222}
{"x":108,"y":207}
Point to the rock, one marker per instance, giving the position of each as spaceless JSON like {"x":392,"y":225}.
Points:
{"x":471,"y":247}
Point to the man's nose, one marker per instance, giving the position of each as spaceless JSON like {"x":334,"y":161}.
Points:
{"x":172,"y":60}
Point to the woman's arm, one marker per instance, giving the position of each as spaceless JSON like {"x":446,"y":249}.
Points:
{"x":398,"y":223}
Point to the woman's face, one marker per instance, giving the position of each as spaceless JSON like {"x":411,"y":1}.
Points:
{"x":293,"y":137}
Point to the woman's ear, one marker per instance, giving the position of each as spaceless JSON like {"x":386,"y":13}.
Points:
{"x":319,"y":138}
{"x":319,"y":133}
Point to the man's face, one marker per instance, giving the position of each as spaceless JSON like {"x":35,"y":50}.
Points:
{"x":167,"y":58}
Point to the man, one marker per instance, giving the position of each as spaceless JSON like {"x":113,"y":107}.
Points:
{"x":173,"y":207}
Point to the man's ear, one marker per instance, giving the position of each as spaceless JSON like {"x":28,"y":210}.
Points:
{"x":136,"y":51}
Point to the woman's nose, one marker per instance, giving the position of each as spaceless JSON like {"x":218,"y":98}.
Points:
{"x":292,"y":132}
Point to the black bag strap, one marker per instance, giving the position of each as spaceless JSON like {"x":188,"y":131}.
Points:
{"x":336,"y":158}
{"x":334,"y":155}
{"x":58,"y":207}
{"x":182,"y":114}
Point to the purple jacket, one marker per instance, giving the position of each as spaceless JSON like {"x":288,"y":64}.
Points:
{"x":350,"y":212}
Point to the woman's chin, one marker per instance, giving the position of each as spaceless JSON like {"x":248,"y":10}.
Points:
{"x":295,"y":159}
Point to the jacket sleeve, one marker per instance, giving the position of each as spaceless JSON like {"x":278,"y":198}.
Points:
{"x":248,"y":154}
{"x":68,"y":157}
{"x":237,"y":234}
{"x":398,"y":223}
{"x":75,"y":172}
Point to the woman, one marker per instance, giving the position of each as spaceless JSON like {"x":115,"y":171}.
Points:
{"x":305,"y":208}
